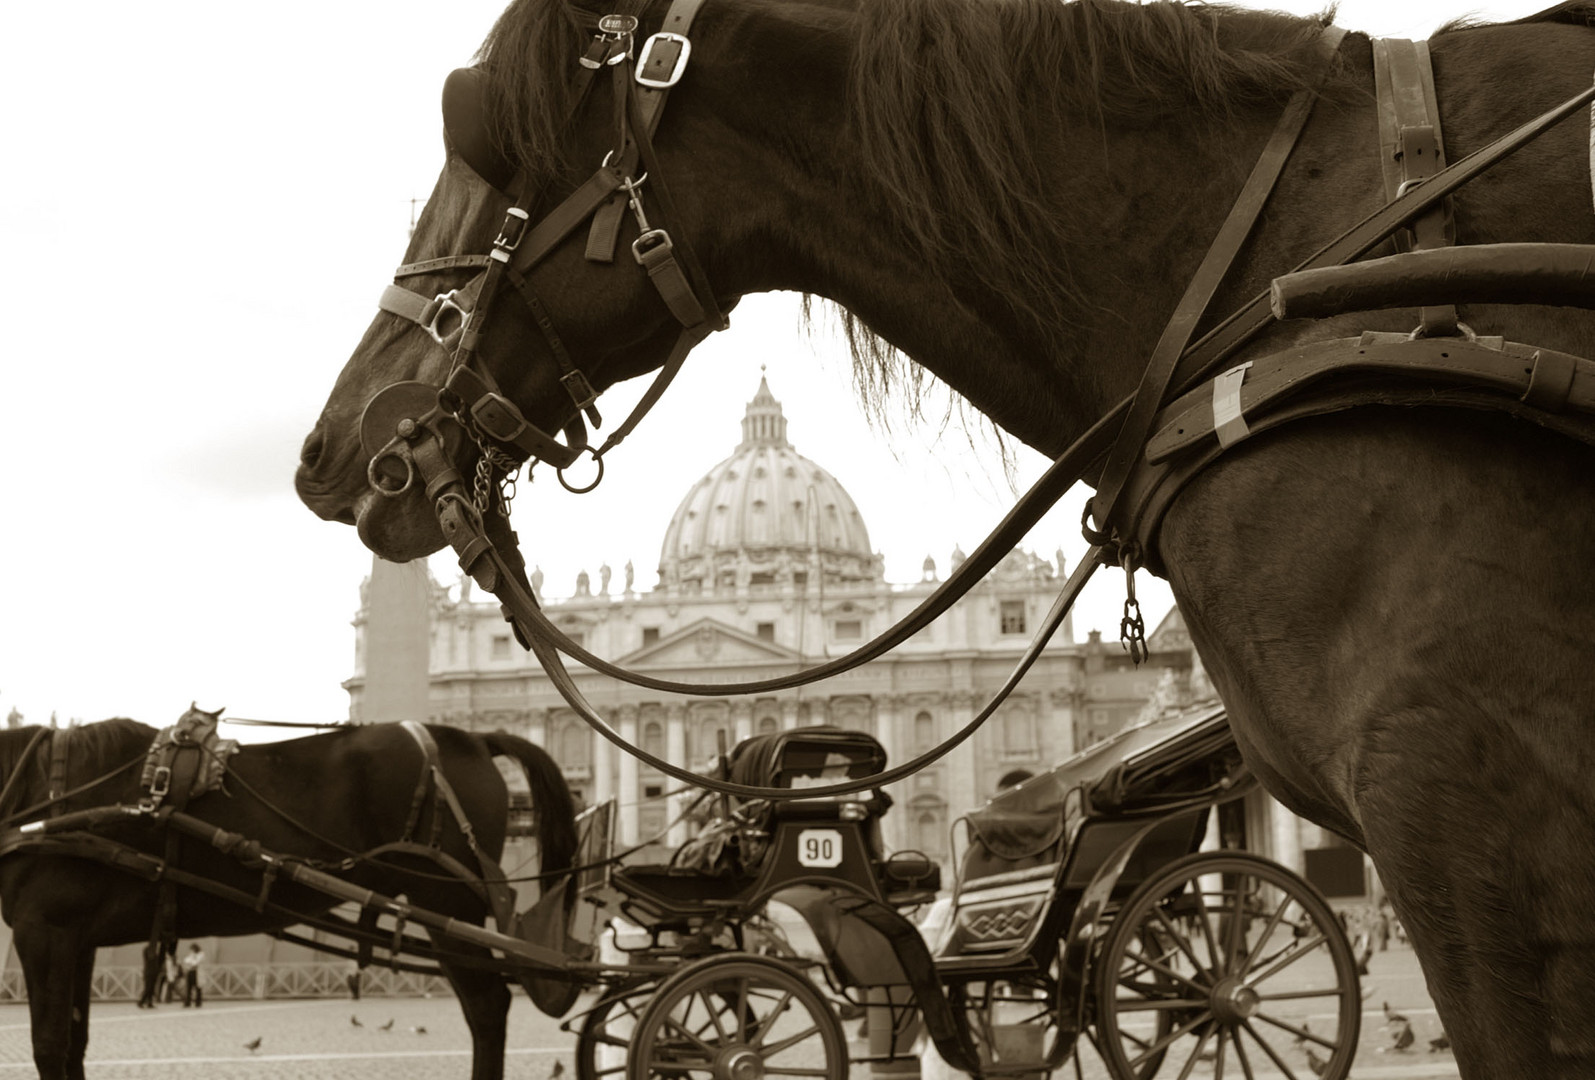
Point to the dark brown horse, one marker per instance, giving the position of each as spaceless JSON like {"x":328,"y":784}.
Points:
{"x":1396,"y":604}
{"x":321,"y":798}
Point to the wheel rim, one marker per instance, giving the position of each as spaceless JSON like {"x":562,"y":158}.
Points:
{"x":748,"y":1018}
{"x":604,"y":1038}
{"x":1223,"y":966}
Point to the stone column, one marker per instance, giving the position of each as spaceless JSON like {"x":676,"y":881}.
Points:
{"x":629,"y":790}
{"x":963,"y":772}
{"x":741,"y":720}
{"x":676,"y":754}
{"x":1059,"y":740}
{"x":888,"y":731}
{"x":537,"y":726}
{"x":1285,"y":830}
{"x":789,"y":713}
{"x":603,"y":768}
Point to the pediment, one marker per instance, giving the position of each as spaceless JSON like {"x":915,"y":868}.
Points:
{"x":709,"y":641}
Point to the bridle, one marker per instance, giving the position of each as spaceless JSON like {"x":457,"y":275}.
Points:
{"x":405,"y":423}
{"x":402,"y":414}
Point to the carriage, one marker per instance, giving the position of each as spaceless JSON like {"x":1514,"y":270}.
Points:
{"x":1084,"y":904}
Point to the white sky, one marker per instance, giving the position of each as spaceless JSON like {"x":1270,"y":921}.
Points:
{"x":202,"y":203}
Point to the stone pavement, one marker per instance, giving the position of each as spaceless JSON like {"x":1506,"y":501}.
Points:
{"x":315,"y":1040}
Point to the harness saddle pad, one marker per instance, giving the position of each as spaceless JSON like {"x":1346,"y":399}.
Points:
{"x":195,"y":732}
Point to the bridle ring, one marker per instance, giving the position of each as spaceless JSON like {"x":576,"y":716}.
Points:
{"x":598,"y":460}
{"x":382,"y":482}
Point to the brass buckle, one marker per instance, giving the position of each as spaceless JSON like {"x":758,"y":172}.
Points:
{"x":664,"y":82}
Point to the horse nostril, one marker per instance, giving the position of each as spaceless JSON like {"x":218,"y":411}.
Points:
{"x":310,"y":453}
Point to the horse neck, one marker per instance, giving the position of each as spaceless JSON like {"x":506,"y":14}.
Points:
{"x":1138,"y":206}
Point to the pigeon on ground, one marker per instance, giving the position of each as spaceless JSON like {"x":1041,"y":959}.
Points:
{"x":253,"y":1044}
{"x":355,"y":1021}
{"x":386,"y":1027}
{"x":1394,"y":1017}
{"x":419,"y":1030}
{"x":558,"y":1070}
{"x":1316,"y":1063}
{"x":1404,"y":1036}
{"x":1438,"y":1044}
{"x":1301,"y":1039}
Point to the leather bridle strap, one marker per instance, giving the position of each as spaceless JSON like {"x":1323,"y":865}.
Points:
{"x":1215,"y":267}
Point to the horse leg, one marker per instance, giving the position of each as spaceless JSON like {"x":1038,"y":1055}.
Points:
{"x":485,"y":1000}
{"x":54,"y":964}
{"x":1492,"y":879}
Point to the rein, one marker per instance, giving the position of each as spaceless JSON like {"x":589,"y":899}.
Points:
{"x":405,"y":421}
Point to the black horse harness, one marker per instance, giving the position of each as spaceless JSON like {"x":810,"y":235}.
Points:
{"x":1182,"y":411}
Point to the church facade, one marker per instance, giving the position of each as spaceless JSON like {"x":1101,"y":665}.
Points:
{"x":766,"y":567}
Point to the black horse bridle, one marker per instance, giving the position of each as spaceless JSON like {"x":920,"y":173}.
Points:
{"x":404,"y":423}
{"x":398,"y":416}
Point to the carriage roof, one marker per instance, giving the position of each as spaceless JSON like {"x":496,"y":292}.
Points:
{"x":1143,"y":767}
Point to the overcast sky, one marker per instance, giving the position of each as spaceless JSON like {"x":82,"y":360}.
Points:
{"x":202,"y":203}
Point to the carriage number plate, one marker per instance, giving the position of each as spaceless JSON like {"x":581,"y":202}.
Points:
{"x":820,"y":848}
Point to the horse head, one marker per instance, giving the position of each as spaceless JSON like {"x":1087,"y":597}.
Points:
{"x":551,"y":261}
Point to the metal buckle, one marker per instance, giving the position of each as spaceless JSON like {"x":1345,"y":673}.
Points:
{"x":510,"y":234}
{"x":161,"y":783}
{"x":677,"y":66}
{"x":498,"y":417}
{"x":442,"y":304}
{"x":581,"y":391}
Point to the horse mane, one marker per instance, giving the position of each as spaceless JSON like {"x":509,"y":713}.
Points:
{"x":949,"y":96}
{"x":956,"y":99}
{"x":1571,"y":13}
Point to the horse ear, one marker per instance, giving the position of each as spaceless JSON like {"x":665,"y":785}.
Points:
{"x":465,"y":120}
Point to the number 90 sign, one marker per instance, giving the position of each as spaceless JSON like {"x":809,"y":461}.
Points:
{"x":820,"y":848}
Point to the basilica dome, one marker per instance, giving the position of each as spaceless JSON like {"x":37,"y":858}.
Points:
{"x":766,"y":516}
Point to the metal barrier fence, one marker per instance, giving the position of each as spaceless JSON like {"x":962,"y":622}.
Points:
{"x":255,"y":981}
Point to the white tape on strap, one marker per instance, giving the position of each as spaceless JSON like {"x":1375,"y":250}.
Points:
{"x":1229,"y":424}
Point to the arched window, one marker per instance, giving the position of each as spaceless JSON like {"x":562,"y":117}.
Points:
{"x":930,"y":835}
{"x":768,"y":724}
{"x":924,"y":732}
{"x":653,"y":738}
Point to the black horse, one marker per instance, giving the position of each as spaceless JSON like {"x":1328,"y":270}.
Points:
{"x":317,"y":798}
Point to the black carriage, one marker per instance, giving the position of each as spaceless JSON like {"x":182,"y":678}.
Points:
{"x":1085,"y":905}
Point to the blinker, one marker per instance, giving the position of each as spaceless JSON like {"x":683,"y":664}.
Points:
{"x":465,"y":120}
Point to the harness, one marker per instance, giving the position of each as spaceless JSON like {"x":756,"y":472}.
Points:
{"x":402,"y":426}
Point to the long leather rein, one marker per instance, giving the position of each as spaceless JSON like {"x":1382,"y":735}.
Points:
{"x":487,"y":549}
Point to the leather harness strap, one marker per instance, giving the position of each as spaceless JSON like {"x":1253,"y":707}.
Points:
{"x":1215,"y":266}
{"x":1412,"y":149}
{"x":60,"y":740}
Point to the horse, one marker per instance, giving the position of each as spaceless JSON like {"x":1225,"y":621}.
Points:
{"x":324,"y":797}
{"x":1395,"y":602}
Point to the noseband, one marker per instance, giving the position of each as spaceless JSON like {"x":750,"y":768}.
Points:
{"x":403,"y":414}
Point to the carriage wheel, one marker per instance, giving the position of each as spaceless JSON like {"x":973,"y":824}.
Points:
{"x":740,"y":1017}
{"x":1228,"y":963}
{"x":603,"y":1040}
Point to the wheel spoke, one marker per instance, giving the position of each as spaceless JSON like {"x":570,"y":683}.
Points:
{"x":789,"y":1042}
{"x":1278,"y":1061}
{"x":1179,"y":938}
{"x":1286,"y":960}
{"x":680,"y":1029}
{"x":1125,"y":1005}
{"x":1237,"y":933}
{"x":1300,"y":1033}
{"x":769,"y":1019}
{"x":1240,"y":1054}
{"x":1206,"y":924}
{"x":1163,"y":1043}
{"x":1171,"y":973}
{"x":743,"y":1008}
{"x":1190,"y":1062}
{"x":1294,"y":995}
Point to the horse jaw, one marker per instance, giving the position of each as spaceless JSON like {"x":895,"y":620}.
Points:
{"x":396,"y":529}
